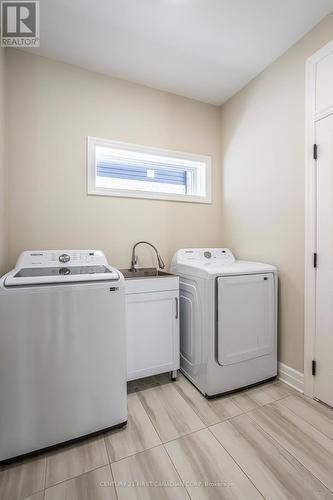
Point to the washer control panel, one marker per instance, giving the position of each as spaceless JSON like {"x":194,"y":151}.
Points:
{"x":57,"y":258}
{"x":205,"y":255}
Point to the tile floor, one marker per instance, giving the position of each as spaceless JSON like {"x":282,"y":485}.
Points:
{"x":266,"y":442}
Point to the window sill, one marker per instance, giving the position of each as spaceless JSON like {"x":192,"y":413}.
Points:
{"x":122,"y":193}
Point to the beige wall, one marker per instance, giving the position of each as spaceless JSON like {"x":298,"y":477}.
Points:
{"x":3,"y":222}
{"x":263,"y":179}
{"x":53,"y":108}
{"x":259,"y":212}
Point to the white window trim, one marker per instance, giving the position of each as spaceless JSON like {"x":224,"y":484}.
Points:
{"x":92,"y":142}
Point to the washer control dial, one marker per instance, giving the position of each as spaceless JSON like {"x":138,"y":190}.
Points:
{"x":64,"y":258}
{"x":208,"y":255}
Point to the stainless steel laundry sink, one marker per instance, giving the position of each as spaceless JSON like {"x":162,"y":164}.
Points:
{"x":144,"y":272}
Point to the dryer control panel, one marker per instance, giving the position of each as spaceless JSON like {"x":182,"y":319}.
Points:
{"x":205,"y":255}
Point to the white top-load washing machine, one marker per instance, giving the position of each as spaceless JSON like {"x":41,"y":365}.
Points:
{"x":228,"y":319}
{"x":62,"y":350}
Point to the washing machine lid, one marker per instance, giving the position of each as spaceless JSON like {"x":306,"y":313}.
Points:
{"x":60,"y":266}
{"x":212,"y":262}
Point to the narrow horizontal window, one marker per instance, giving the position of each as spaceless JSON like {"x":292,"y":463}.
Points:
{"x":121,"y":169}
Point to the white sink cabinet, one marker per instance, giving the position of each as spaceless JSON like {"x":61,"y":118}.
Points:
{"x":152,"y":310}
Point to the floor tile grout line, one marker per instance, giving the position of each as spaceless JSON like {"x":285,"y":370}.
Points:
{"x":114,"y":482}
{"x":63,"y":448}
{"x":162,"y":442}
{"x":177,"y":472}
{"x":137,"y":453}
{"x":190,"y":405}
{"x":45,"y":472}
{"x":264,"y":404}
{"x":205,"y":425}
{"x":277,"y":445}
{"x":245,"y":392}
{"x":107,"y":448}
{"x":238,"y":406}
{"x":290,"y":453}
{"x":298,"y":391}
{"x":238,"y":465}
{"x":311,"y":402}
{"x":305,"y":421}
{"x":75,"y":477}
{"x":150,"y":419}
{"x":31,"y":494}
{"x":34,"y":492}
{"x":207,"y":400}
{"x":230,"y":396}
{"x":260,"y":429}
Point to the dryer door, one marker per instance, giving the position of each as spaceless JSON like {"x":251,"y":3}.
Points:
{"x":246,"y":317}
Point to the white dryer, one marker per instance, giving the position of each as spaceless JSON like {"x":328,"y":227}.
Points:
{"x":228,"y":319}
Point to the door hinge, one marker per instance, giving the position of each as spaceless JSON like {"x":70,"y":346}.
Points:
{"x":315,"y":260}
{"x":314,"y":366}
{"x":315,"y":152}
{"x":177,"y":308}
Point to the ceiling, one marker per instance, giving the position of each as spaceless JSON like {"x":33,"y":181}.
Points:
{"x":203,"y":49}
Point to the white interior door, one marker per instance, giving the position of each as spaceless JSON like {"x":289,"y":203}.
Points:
{"x":323,"y":380}
{"x":246,"y":317}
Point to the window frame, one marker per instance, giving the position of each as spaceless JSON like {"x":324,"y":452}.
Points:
{"x":92,"y":189}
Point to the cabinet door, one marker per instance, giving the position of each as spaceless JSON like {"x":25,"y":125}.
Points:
{"x":246,"y":317}
{"x":152,"y":333}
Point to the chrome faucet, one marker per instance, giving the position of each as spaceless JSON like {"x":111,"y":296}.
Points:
{"x":161,"y":264}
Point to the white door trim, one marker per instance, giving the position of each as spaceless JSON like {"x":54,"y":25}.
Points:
{"x":311,"y":116}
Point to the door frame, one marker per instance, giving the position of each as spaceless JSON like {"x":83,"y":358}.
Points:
{"x":311,"y":117}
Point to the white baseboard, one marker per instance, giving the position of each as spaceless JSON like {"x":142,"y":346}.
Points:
{"x":291,"y":377}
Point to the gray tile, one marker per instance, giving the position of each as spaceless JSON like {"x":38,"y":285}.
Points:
{"x":149,"y":475}
{"x":309,"y":446}
{"x":277,"y":390}
{"x":276,"y":473}
{"x":316,"y":414}
{"x":36,"y":496}
{"x":244,"y":400}
{"x":22,"y":479}
{"x":207,"y":469}
{"x":261,"y":395}
{"x":138,"y":435}
{"x":170,"y":414}
{"x":93,"y":485}
{"x":211,"y":411}
{"x":75,"y":460}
